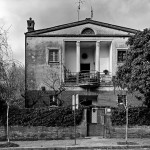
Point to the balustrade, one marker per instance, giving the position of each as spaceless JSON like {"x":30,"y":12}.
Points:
{"x":88,"y":79}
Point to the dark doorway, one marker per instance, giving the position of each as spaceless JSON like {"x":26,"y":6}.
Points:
{"x":86,"y":102}
{"x":96,"y":128}
{"x":95,"y":116}
{"x":85,"y":68}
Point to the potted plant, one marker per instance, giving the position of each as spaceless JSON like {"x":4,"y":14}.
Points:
{"x":106,"y":72}
{"x":106,"y":77}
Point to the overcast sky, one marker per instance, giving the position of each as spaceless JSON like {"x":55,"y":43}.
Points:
{"x":47,"y":13}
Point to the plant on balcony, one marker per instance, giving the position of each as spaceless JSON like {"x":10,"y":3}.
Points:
{"x":106,"y":78}
{"x":106,"y":72}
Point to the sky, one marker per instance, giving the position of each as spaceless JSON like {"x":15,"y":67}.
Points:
{"x":48,"y":13}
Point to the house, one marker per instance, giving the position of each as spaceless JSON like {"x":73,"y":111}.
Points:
{"x":82,"y":55}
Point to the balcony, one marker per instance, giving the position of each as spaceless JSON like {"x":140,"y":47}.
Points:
{"x":90,"y":79}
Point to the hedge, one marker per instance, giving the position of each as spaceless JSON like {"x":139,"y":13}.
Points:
{"x":136,"y":116}
{"x":63,"y":116}
{"x":56,"y":116}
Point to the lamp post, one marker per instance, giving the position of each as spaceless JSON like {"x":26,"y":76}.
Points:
{"x":75,"y":105}
{"x":126,"y":107}
{"x":122,"y":100}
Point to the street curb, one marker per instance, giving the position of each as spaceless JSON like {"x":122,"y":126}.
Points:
{"x":146,"y":147}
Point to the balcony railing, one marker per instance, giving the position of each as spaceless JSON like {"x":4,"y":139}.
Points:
{"x":84,"y":79}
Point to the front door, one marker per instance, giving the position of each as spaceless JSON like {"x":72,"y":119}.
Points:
{"x":95,"y":121}
{"x":95,"y":116}
{"x":85,"y":68}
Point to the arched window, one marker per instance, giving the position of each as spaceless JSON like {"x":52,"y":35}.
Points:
{"x":87,"y":31}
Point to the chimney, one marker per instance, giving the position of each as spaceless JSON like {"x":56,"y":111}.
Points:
{"x":30,"y":24}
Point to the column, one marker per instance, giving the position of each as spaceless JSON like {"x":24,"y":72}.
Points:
{"x":110,"y":59}
{"x":97,"y":59}
{"x":78,"y":56}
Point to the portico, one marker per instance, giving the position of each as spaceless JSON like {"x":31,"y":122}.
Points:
{"x":98,"y":54}
{"x":88,"y":59}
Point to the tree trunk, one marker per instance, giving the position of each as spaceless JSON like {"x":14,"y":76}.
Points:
{"x":7,"y":123}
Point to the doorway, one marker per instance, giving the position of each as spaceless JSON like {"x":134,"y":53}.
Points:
{"x":95,"y":121}
{"x":85,"y":68}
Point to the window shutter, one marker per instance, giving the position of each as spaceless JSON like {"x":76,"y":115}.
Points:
{"x":50,"y":56}
{"x":53,"y":55}
{"x":56,"y":55}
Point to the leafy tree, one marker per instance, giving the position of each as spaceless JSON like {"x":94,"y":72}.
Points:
{"x":134,"y":74}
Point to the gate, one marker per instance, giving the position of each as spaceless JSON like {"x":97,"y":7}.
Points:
{"x":96,"y":122}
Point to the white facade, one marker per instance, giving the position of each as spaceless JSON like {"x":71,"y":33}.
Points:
{"x":78,"y":52}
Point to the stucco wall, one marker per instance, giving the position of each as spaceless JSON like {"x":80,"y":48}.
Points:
{"x":105,"y":96}
{"x":37,"y":60}
{"x":117,"y":43}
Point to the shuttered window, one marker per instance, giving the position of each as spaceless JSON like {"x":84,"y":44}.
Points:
{"x":53,"y":55}
{"x":121,"y":55}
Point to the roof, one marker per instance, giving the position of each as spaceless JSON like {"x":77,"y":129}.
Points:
{"x":82,"y":22}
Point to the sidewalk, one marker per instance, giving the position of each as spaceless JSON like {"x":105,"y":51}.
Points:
{"x":87,"y":143}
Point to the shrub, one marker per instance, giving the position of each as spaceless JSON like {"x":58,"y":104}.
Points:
{"x":58,"y":116}
{"x":136,"y":116}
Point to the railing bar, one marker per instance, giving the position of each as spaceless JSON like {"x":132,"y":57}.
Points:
{"x":97,"y":78}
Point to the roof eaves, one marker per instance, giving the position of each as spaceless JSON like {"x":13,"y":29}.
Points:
{"x":82,"y":35}
{"x":59,"y":27}
{"x":77,"y":23}
{"x":113,"y":26}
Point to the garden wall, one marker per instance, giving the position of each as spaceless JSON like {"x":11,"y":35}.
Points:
{"x":50,"y":133}
{"x":44,"y":133}
{"x":133,"y":132}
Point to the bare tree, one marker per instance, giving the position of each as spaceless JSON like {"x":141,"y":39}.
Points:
{"x":5,"y":49}
{"x":52,"y":80}
{"x":11,"y":75}
{"x":10,"y":86}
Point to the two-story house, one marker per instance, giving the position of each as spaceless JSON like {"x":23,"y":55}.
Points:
{"x":84,"y":55}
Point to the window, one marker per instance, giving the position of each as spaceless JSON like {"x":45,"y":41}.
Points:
{"x":88,"y":31}
{"x":122,"y":99}
{"x":53,"y":55}
{"x":53,"y":100}
{"x":121,"y":55}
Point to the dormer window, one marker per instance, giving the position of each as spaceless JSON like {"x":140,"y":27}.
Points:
{"x":88,"y":31}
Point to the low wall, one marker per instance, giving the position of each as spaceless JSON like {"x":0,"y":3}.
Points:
{"x":44,"y":133}
{"x":133,"y":132}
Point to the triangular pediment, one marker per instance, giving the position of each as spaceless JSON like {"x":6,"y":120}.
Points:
{"x":76,"y":28}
